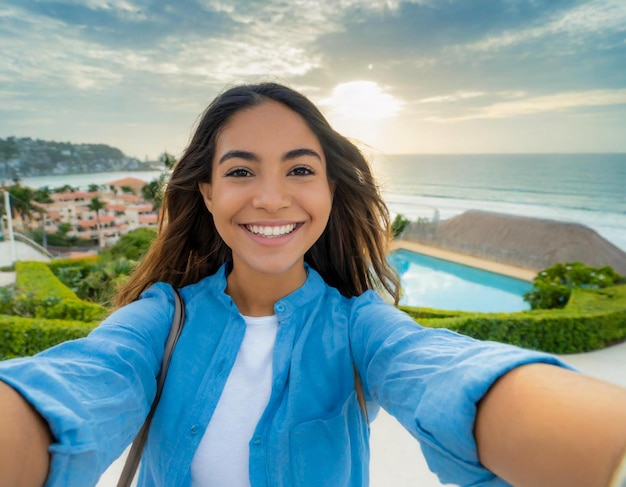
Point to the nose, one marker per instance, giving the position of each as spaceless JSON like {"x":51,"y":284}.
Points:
{"x":272,"y":194}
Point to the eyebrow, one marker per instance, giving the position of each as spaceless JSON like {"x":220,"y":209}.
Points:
{"x":250,"y":156}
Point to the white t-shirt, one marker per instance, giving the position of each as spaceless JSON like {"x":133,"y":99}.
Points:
{"x":223,"y":454}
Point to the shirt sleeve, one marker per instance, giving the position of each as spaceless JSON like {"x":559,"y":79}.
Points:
{"x":96,"y":391}
{"x":431,"y":380}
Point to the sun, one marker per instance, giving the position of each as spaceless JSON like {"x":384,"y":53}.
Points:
{"x":361,"y":100}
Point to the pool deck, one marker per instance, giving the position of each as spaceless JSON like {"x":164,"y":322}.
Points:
{"x":487,"y":265}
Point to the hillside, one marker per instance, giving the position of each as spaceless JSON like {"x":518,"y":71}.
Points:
{"x":24,"y":157}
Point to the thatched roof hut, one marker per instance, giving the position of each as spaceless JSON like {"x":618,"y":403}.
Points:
{"x":532,"y":243}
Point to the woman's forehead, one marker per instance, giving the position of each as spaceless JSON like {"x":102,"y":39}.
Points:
{"x":270,"y":125}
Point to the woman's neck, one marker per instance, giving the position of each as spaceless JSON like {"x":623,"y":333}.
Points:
{"x":255,"y":294}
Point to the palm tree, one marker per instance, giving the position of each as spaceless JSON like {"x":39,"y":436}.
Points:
{"x":96,"y":205}
{"x":168,"y":160}
{"x":42,"y":195}
{"x":66,"y":188}
{"x":22,"y":202}
{"x":153,"y":191}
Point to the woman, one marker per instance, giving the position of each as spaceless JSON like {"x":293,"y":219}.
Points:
{"x":276,"y":234}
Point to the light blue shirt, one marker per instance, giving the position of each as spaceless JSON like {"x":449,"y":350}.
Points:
{"x":95,"y":392}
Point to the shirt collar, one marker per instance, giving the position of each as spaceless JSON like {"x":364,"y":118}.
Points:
{"x":313,"y":288}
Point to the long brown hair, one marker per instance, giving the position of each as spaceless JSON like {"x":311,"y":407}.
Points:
{"x":350,"y":254}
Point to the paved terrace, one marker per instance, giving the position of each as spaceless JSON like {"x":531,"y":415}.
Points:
{"x":487,"y":265}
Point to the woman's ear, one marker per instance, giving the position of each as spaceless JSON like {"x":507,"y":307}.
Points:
{"x":207,"y":195}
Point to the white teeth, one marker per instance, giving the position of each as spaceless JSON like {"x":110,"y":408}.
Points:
{"x":277,"y":231}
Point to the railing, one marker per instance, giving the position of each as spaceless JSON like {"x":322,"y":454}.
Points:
{"x":23,"y":238}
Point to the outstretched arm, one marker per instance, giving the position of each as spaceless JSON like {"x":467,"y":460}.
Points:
{"x":24,"y":441}
{"x":541,"y":425}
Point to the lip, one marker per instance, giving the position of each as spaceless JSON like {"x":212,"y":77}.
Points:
{"x":273,"y":240}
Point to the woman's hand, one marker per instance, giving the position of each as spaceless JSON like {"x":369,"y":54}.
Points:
{"x":541,"y":425}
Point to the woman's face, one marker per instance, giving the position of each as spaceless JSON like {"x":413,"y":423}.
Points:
{"x":269,"y":195}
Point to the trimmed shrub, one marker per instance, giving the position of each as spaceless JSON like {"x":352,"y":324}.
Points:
{"x":592,"y":319}
{"x":6,"y":299}
{"x":37,"y":280}
{"x":26,"y":336}
{"x":94,"y":280}
{"x":552,"y":286}
{"x":80,"y":262}
{"x":40,"y":294}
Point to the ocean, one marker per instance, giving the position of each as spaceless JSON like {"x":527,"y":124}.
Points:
{"x":589,"y":189}
{"x":582,"y":188}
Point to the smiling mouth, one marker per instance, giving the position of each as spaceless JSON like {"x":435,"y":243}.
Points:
{"x":271,"y":232}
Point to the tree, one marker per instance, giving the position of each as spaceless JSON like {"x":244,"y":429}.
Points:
{"x":8,"y":149}
{"x":168,"y":160}
{"x":22,"y":202}
{"x":398,"y":225}
{"x":66,"y":188}
{"x":63,"y":228}
{"x":42,"y":195}
{"x":96,"y":205}
{"x":93,"y":188}
{"x":153,"y":191}
{"x":132,"y":246}
{"x":553,"y":286}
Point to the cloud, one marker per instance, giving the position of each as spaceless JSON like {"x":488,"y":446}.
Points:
{"x":542,"y":104}
{"x":456,"y":96}
{"x":596,"y":18}
{"x":423,"y":28}
{"x":137,"y":61}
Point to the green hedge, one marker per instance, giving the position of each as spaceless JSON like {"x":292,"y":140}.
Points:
{"x":590,"y":321}
{"x":26,"y":336}
{"x":56,"y":264}
{"x":42,"y":295}
{"x":37,"y":280}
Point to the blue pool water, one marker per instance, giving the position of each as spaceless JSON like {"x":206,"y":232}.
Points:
{"x":435,"y":283}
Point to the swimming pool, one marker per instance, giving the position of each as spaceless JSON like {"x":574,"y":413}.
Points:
{"x":436,"y":283}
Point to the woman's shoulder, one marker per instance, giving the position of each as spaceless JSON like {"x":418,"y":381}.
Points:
{"x":209,"y":287}
{"x":368,"y":306}
{"x":372,"y":304}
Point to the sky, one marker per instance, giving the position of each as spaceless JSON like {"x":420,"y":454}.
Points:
{"x":420,"y":76}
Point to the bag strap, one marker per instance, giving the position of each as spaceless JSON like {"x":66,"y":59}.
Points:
{"x":358,"y":385}
{"x":134,"y":456}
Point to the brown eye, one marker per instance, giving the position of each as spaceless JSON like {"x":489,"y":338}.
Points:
{"x":238,"y":173}
{"x":301,"y":171}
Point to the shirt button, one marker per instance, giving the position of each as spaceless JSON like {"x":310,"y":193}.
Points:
{"x":194,"y":429}
{"x":257,"y":441}
{"x":280,"y":307}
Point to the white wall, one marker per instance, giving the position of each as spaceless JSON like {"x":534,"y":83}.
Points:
{"x":23,"y":252}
